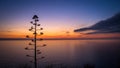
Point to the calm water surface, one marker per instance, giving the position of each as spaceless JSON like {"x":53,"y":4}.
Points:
{"x":101,"y":53}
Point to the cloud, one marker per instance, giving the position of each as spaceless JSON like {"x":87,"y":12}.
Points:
{"x":110,"y":25}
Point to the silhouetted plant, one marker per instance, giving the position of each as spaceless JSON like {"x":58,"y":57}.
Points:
{"x":33,"y":42}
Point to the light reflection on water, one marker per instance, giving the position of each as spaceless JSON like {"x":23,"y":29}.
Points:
{"x":102,"y":53}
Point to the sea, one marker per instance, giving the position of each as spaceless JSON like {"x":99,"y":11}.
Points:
{"x":99,"y":53}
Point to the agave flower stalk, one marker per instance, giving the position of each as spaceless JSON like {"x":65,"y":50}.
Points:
{"x":33,"y":42}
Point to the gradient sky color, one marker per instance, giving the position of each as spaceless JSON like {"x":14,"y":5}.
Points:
{"x":59,"y":18}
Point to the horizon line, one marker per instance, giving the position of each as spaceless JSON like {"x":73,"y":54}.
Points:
{"x":57,"y":38}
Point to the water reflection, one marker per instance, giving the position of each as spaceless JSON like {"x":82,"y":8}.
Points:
{"x":101,"y":53}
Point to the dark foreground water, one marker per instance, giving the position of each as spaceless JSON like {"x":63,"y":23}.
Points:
{"x":100,"y":53}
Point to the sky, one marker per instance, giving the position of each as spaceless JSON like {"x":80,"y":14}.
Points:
{"x":59,"y":18}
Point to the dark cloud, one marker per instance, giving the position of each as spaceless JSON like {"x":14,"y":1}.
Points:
{"x":110,"y":25}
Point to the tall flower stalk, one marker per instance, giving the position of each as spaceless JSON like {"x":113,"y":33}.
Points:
{"x":34,"y":28}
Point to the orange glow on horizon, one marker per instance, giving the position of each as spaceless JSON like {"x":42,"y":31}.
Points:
{"x":53,"y":32}
{"x":61,"y":35}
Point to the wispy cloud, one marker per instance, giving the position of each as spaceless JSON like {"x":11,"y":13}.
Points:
{"x":110,"y":25}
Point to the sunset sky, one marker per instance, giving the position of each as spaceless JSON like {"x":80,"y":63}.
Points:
{"x":59,"y":18}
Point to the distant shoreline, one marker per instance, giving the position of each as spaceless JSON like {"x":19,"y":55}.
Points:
{"x":62,"y":39}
